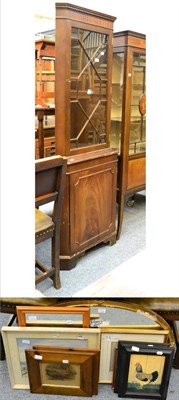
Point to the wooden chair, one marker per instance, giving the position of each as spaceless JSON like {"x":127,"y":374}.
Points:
{"x":50,"y":176}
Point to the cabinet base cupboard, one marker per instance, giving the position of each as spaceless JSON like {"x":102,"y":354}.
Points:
{"x":89,"y":205}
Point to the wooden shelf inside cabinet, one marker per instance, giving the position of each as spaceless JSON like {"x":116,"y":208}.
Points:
{"x":128,"y":114}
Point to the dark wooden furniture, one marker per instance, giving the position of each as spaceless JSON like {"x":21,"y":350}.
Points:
{"x":128,"y":109}
{"x":83,"y":66}
{"x":45,"y":132}
{"x":50,"y":176}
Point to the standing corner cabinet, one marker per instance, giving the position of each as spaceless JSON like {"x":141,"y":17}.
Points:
{"x":128,"y":114}
{"x":83,"y":77}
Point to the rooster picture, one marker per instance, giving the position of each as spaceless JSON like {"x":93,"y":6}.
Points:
{"x":142,"y":377}
{"x":60,"y":371}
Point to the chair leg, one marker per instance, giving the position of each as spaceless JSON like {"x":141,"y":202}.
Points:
{"x":56,"y":263}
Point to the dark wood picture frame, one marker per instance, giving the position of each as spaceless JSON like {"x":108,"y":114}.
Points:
{"x":23,"y":310}
{"x":143,"y":371}
{"x":64,"y":373}
{"x":141,"y":344}
{"x":94,"y":352}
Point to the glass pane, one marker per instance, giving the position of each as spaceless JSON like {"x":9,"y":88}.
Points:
{"x":88,"y":88}
{"x":53,"y":319}
{"x":144,"y":363}
{"x":116,"y":104}
{"x":61,"y":374}
{"x":106,"y":316}
{"x":137,"y":112}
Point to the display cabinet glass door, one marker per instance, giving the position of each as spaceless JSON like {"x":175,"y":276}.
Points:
{"x":137,"y":135}
{"x":88,"y":88}
{"x":128,"y":114}
{"x":137,"y":125}
{"x":117,"y":100}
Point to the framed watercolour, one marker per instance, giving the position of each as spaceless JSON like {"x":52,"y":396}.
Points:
{"x":18,"y":339}
{"x":64,"y":373}
{"x":96,"y":359}
{"x":110,"y":338}
{"x":53,"y":316}
{"x":143,"y":372}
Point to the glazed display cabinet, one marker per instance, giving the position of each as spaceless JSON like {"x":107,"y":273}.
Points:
{"x":83,"y":76}
{"x":128,"y":114}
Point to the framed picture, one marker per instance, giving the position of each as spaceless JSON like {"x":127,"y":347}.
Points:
{"x":140,"y":345}
{"x":143,"y":372}
{"x":53,"y":316}
{"x":96,"y":359}
{"x":110,"y":338}
{"x":64,"y":373}
{"x":114,"y":369}
{"x":18,"y":339}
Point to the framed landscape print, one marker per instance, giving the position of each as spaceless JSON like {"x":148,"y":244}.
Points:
{"x":18,"y":339}
{"x":143,"y":372}
{"x":53,"y":316}
{"x":110,"y":338}
{"x":64,"y":373}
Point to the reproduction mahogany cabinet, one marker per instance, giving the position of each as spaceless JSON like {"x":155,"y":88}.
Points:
{"x":83,"y":72}
{"x":128,"y":114}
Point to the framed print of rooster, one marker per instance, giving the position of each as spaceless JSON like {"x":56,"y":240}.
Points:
{"x":143,"y":371}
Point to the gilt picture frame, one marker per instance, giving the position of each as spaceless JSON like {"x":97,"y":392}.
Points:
{"x":109,"y":340}
{"x":32,"y":316}
{"x":17,"y":339}
{"x":143,"y":372}
{"x":63,"y":373}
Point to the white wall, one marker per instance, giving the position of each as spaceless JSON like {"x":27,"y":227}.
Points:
{"x":130,"y":14}
{"x":159,"y":21}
